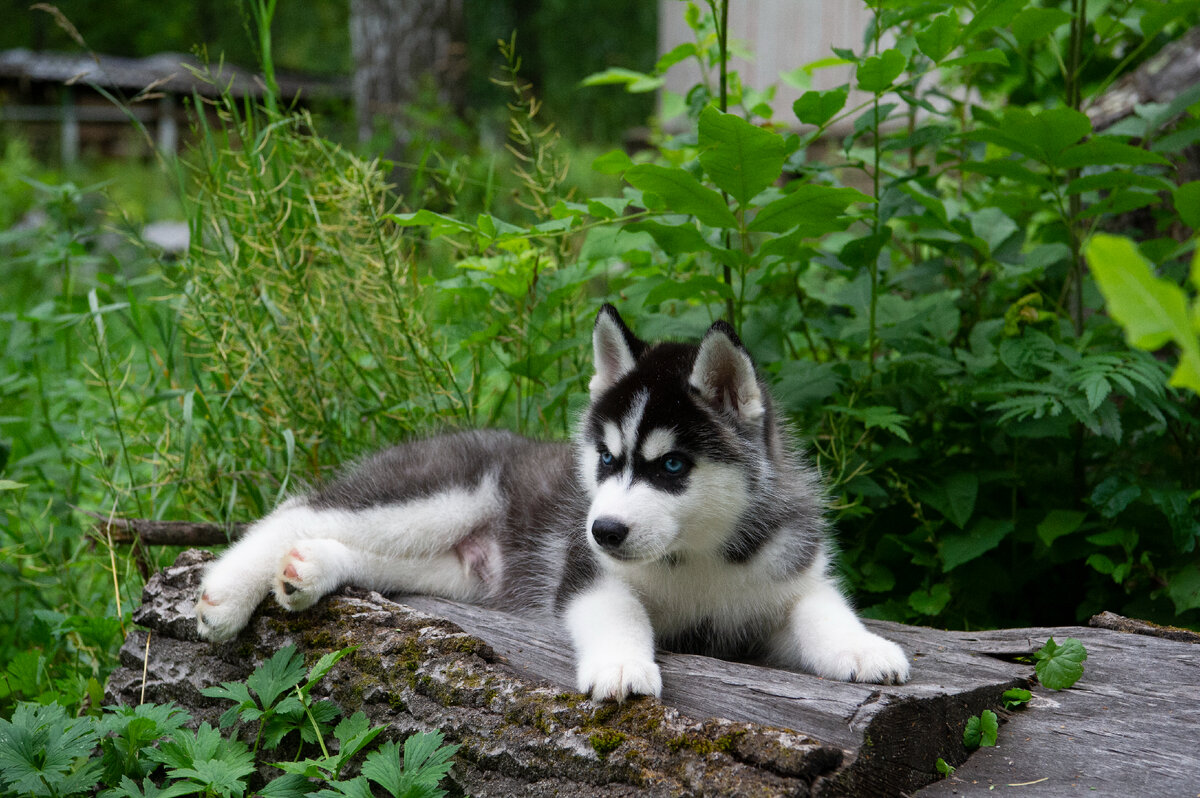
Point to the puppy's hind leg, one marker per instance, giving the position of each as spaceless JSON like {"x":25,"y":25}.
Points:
{"x":315,"y":567}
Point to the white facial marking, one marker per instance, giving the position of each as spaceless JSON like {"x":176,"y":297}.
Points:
{"x":658,"y":442}
{"x":632,"y":420}
{"x":612,"y":439}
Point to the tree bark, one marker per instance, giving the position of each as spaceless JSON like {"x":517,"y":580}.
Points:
{"x":398,"y":44}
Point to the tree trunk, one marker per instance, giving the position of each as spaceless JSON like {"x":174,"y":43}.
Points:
{"x":399,"y":46}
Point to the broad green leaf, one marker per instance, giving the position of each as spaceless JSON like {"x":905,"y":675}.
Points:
{"x":679,"y":53}
{"x":981,"y":730}
{"x":931,"y":601}
{"x":877,"y":73}
{"x":1105,"y":151}
{"x":1015,"y":697}
{"x":673,"y":239}
{"x":682,"y":193}
{"x":992,"y":14}
{"x":1183,"y":588}
{"x":1187,"y":205}
{"x":1058,"y":523}
{"x":939,"y":37}
{"x":1115,"y":179}
{"x":954,"y":497}
{"x":1060,"y":665}
{"x":1041,"y":136}
{"x":1158,"y":15}
{"x":1036,"y":23}
{"x":818,"y":107}
{"x":809,"y":205}
{"x":992,"y":55}
{"x":1152,"y":310}
{"x":1113,"y":495}
{"x":993,"y":226}
{"x":612,"y":162}
{"x":741,"y":158}
{"x":634,"y":82}
{"x":984,"y":536}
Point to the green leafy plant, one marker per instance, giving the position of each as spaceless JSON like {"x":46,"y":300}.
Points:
{"x":1059,"y":666}
{"x":981,"y":730}
{"x":147,"y":752}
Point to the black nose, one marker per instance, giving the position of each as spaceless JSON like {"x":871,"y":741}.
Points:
{"x":609,"y":532}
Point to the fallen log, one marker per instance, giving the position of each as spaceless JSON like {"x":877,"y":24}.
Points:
{"x":502,"y":687}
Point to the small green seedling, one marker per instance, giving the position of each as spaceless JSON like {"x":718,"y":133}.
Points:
{"x":981,"y":730}
{"x":1016,"y":697}
{"x":944,"y":768}
{"x":1060,"y":665}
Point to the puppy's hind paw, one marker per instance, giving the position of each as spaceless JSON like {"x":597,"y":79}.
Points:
{"x":300,"y":580}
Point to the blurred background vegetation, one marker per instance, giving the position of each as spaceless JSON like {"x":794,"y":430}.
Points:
{"x":998,"y":452}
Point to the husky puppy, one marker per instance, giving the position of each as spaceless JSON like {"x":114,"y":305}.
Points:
{"x":681,"y":517}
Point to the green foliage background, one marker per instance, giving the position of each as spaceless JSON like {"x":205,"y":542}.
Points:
{"x":916,"y":273}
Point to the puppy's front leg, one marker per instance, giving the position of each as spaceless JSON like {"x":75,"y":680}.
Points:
{"x":823,"y":636}
{"x":614,"y":642}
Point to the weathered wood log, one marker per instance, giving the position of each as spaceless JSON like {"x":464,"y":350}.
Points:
{"x":502,"y":687}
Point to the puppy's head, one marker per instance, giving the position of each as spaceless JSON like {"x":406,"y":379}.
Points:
{"x":668,"y":441}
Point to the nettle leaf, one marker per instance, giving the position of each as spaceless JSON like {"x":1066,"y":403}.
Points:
{"x":877,"y":73}
{"x":1060,"y":665}
{"x":981,"y":730}
{"x":818,"y":107}
{"x":682,"y":193}
{"x":939,"y":37}
{"x":810,"y":206}
{"x":984,"y":536}
{"x":1152,"y":310}
{"x":741,"y":158}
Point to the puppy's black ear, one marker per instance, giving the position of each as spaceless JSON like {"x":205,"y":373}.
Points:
{"x":724,"y":374}
{"x":616,"y":349}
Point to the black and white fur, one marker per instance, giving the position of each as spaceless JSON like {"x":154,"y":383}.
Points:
{"x":681,"y":517}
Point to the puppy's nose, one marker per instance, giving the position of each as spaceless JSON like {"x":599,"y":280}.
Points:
{"x":609,"y":532}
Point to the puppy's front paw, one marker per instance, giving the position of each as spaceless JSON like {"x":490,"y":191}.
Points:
{"x":861,"y":657}
{"x":614,"y":679}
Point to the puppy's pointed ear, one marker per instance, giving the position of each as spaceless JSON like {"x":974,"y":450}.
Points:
{"x":616,"y":349}
{"x":724,"y":374}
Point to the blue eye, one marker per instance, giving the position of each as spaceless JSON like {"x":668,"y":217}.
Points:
{"x":606,"y":458}
{"x":673,"y":465}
